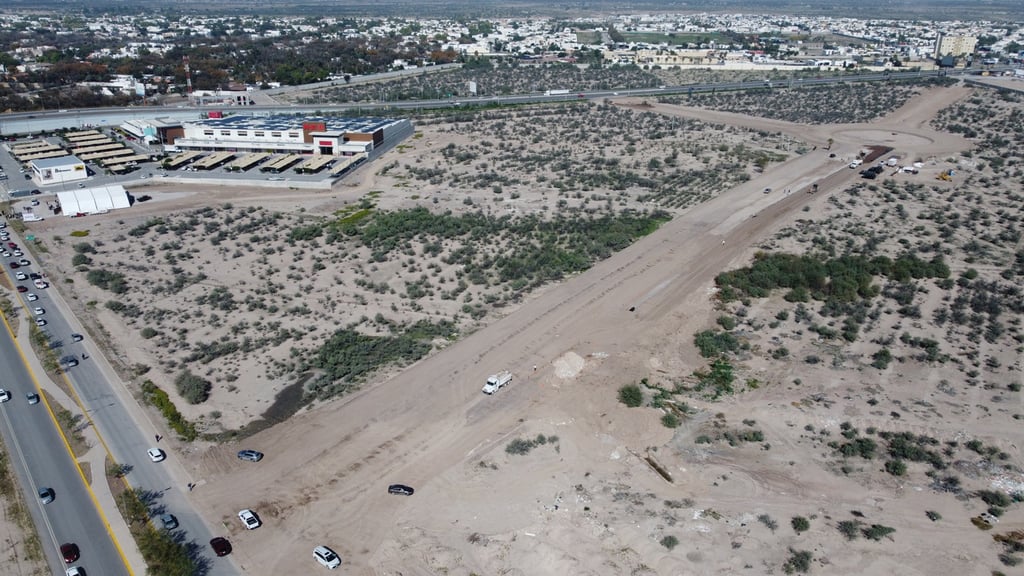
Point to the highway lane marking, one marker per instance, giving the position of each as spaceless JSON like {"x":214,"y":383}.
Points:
{"x":67,"y":445}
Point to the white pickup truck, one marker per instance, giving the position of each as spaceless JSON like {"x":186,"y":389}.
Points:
{"x":496,"y":381}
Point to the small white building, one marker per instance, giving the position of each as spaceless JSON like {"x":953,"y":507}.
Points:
{"x":49,"y":171}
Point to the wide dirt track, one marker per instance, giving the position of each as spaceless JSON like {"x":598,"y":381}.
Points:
{"x":325,"y":475}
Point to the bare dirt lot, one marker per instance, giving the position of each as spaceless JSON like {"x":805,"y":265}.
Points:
{"x":802,"y":447}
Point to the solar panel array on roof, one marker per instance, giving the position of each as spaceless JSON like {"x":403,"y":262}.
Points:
{"x":285,"y":123}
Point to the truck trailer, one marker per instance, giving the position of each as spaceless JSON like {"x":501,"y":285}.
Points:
{"x":556,"y":92}
{"x":496,"y":381}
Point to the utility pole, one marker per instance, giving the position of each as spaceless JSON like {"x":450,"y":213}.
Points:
{"x":188,"y":77}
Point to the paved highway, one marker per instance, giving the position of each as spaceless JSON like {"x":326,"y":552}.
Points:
{"x":47,"y":460}
{"x":39,"y":458}
{"x":23,"y":122}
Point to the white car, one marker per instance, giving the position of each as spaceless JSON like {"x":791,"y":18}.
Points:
{"x":21,"y":276}
{"x":18,"y":253}
{"x":75,"y":571}
{"x":5,"y":396}
{"x":42,"y":285}
{"x":31,"y":297}
{"x":5,"y":253}
{"x":40,"y":322}
{"x":326,"y":557}
{"x":249,"y":519}
{"x":39,"y":311}
{"x":156,"y":454}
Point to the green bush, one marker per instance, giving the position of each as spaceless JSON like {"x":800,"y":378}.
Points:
{"x":727,"y":322}
{"x":670,"y":420}
{"x":849,"y":529}
{"x":800,"y":524}
{"x":798,"y":562}
{"x":80,"y":260}
{"x":896,"y":467}
{"x":158,"y":398}
{"x":194,"y":389}
{"x":877,"y":532}
{"x":881,"y":359}
{"x":670,"y":542}
{"x":148,"y":332}
{"x":113,"y":281}
{"x":712,"y":343}
{"x":631,"y":395}
{"x":520,"y":446}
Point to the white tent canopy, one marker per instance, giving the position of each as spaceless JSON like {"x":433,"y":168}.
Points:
{"x":93,"y":200}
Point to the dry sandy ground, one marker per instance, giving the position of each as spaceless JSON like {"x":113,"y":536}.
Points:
{"x":586,"y":502}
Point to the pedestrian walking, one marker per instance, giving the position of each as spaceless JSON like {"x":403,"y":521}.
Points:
{"x":157,"y":437}
{"x":191,"y":486}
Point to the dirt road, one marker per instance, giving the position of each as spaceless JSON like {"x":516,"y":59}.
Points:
{"x":325,"y":476}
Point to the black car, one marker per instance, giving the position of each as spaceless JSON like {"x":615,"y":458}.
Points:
{"x":400,"y":489}
{"x":75,"y":337}
{"x":250,"y":455}
{"x":221,"y":546}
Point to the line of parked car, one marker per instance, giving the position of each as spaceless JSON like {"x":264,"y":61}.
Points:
{"x":221,"y":546}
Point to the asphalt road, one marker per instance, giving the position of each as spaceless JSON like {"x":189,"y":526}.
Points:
{"x":48,"y":458}
{"x":39,"y":458}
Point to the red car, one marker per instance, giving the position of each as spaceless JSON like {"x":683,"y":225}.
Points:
{"x":220,"y":546}
{"x":12,"y":245}
{"x":14,"y":265}
{"x":22,"y":289}
{"x":70,"y":552}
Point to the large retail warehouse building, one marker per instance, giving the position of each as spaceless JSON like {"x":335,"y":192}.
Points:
{"x":294,"y":134}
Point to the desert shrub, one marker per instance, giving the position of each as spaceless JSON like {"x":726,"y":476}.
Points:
{"x":768,"y":521}
{"x":631,"y":395}
{"x":148,"y":332}
{"x":670,"y":542}
{"x":112,"y":281}
{"x":520,"y":446}
{"x":670,"y":420}
{"x":79,"y":233}
{"x":798,"y":562}
{"x":713,"y":343}
{"x":877,"y":532}
{"x":933,"y":515}
{"x":994,"y":498}
{"x":719,"y":377}
{"x":726,"y":322}
{"x":158,"y":398}
{"x":850,"y":529}
{"x":896,"y":467}
{"x":881,"y":359}
{"x":800,"y":524}
{"x":1009,"y":559}
{"x":80,"y":259}
{"x":194,"y":389}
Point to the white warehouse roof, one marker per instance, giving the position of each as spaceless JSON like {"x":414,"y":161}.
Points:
{"x":93,"y":200}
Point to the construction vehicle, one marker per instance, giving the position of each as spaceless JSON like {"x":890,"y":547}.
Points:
{"x":497,"y":381}
{"x":946,"y":175}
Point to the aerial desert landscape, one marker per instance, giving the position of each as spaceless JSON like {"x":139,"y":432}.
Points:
{"x":731,"y":353}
